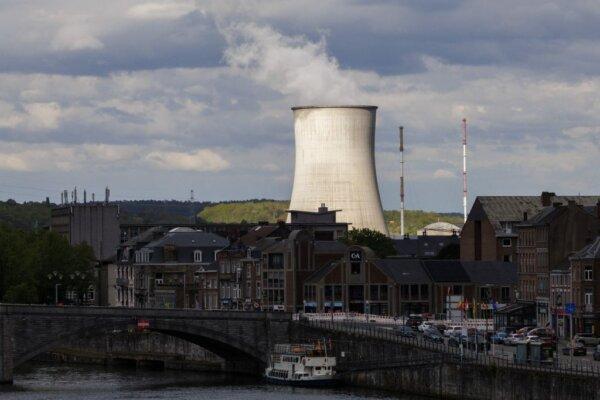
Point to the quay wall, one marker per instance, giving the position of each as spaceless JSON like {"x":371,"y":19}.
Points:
{"x":476,"y":382}
{"x":137,"y":348}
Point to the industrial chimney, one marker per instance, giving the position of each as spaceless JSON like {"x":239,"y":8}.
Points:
{"x":335,"y":164}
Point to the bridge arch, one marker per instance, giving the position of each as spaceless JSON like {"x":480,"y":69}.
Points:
{"x":234,"y":350}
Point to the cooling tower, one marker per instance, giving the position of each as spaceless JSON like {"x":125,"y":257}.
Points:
{"x":335,"y":164}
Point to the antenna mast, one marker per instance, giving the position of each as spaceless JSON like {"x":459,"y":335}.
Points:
{"x":464,"y":146}
{"x":402,"y":181}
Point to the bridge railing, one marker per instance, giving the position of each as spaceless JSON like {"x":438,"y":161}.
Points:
{"x":454,"y":354}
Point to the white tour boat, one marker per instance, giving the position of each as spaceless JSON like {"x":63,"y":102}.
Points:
{"x":302,"y":365}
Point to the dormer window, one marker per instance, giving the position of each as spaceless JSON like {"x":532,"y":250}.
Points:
{"x":198,"y":256}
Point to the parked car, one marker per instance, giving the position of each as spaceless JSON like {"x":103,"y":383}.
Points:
{"x":498,"y":337}
{"x":524,"y":330}
{"x":405,"y":331}
{"x":433,"y":335}
{"x":477,"y":342}
{"x":597,"y":353}
{"x":414,"y":321}
{"x":578,"y":350}
{"x":532,"y":339}
{"x":453,"y":330}
{"x":441,"y":327}
{"x":587,"y":339}
{"x":513,"y":338}
{"x":455,"y":340}
{"x":424,"y":326}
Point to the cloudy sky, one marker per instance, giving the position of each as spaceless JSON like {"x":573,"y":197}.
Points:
{"x":155,"y":98}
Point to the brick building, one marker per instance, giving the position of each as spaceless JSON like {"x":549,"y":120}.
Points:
{"x":360,"y":282}
{"x":490,"y":230}
{"x":585,"y":286}
{"x":545,"y":242}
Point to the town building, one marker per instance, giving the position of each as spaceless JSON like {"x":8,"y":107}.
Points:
{"x":361,"y":282}
{"x":585,"y":287}
{"x":427,"y":247}
{"x":490,"y":233}
{"x":167,"y":269}
{"x":96,"y":224}
{"x":545,"y":242}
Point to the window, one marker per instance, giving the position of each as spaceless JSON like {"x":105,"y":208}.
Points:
{"x":356,"y":292}
{"x":457,"y":290}
{"x":355,"y":268}
{"x":588,"y":274}
{"x":424,"y":292}
{"x":383,"y":292}
{"x":404,"y":292}
{"x":484,"y":293}
{"x":276,"y":261}
{"x":589,"y":298}
{"x":506,"y":242}
{"x":507,"y":258}
{"x":197,"y":256}
{"x":414,"y":292}
{"x":505,"y":294}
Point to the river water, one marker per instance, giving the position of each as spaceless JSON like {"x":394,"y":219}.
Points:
{"x":44,"y":381}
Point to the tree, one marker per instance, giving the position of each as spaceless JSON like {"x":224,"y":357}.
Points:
{"x":382,"y":245}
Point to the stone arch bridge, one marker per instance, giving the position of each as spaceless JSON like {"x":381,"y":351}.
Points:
{"x":242,"y":339}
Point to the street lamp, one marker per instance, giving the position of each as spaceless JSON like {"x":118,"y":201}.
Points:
{"x":55,"y":275}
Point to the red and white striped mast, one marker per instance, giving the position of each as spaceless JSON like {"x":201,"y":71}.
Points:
{"x":464,"y":145}
{"x":402,"y":181}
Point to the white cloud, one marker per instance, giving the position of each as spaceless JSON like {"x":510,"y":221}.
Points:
{"x":202,"y":160}
{"x":74,"y":38}
{"x":161,"y":10}
{"x":290,"y":65}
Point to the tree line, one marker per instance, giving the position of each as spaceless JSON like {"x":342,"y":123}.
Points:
{"x":35,"y":265}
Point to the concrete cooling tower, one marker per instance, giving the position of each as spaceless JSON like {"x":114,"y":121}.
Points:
{"x":335,"y":164}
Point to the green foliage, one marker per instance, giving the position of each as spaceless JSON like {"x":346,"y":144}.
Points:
{"x":30,"y":215}
{"x":272,"y":210}
{"x":252,"y":211}
{"x":382,"y":245}
{"x":31,"y":263}
{"x":417,"y":219}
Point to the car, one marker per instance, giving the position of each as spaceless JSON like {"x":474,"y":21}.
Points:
{"x":587,"y":339}
{"x":433,"y":335}
{"x":532,"y":339}
{"x":477,"y":342}
{"x":578,"y":350}
{"x":414,"y":321}
{"x":452,"y":330}
{"x":441,"y":327}
{"x":405,"y":331}
{"x":524,"y":330}
{"x":596,"y":354}
{"x":513,"y":338}
{"x":455,"y":340}
{"x":498,"y":337}
{"x":424,"y":326}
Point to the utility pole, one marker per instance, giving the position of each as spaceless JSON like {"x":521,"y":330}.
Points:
{"x":402,"y":181}
{"x":464,"y":146}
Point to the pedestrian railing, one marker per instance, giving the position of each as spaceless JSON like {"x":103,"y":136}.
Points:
{"x":463,"y":355}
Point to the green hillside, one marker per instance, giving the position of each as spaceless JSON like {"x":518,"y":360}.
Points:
{"x":273,"y":210}
{"x":250,"y":211}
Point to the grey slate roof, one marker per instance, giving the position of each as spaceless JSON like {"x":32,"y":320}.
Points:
{"x":329,"y":247}
{"x":422,"y":246}
{"x":319,"y":274}
{"x":589,"y":252}
{"x":190,"y":239}
{"x":491,"y":272}
{"x":403,"y":270}
{"x":446,"y":270}
{"x":511,"y":208}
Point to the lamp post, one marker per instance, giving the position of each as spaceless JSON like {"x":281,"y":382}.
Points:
{"x":55,"y":276}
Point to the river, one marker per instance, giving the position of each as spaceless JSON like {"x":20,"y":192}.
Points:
{"x":46,"y":381}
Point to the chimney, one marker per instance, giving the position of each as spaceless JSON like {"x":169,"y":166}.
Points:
{"x":106,"y":195}
{"x":323,"y":208}
{"x":547,"y":198}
